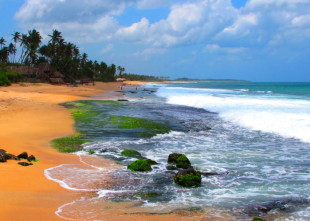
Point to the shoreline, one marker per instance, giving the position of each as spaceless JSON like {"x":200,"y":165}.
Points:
{"x":30,"y":118}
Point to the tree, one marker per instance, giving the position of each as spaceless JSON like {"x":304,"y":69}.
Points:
{"x":16,"y":38}
{"x":12,"y":51}
{"x":121,"y":70}
{"x":2,"y":42}
{"x":32,"y":46}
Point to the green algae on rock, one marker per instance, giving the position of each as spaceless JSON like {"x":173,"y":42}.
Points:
{"x":188,"y":178}
{"x":180,"y":160}
{"x":69,"y":144}
{"x":131,"y":153}
{"x":140,"y":166}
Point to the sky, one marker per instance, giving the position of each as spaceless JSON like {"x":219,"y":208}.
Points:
{"x":257,"y":40}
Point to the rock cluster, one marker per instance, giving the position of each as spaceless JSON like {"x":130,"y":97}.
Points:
{"x":4,"y":156}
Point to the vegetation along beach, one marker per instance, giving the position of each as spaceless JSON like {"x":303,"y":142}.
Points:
{"x":194,"y":110}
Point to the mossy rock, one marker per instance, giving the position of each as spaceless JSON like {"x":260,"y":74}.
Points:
{"x":131,"y":153}
{"x":180,"y":160}
{"x":140,"y":166}
{"x":171,"y":167}
{"x":257,"y":219}
{"x":188,"y":178}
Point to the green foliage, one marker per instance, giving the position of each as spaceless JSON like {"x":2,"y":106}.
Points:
{"x":4,"y":80}
{"x":131,"y":153}
{"x":140,"y":166}
{"x":188,"y":180}
{"x":257,"y":219}
{"x":14,"y":76}
{"x":69,"y":144}
{"x":136,"y":77}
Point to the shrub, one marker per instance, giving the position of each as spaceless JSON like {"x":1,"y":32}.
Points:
{"x":4,"y":80}
{"x":14,"y":76}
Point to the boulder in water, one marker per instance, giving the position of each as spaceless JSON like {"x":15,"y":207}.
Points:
{"x":188,"y":178}
{"x":140,"y":166}
{"x":180,"y":160}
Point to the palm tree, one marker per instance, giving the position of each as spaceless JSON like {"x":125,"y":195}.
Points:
{"x":12,"y":51}
{"x":34,"y":40}
{"x":2,"y":42}
{"x":16,"y":38}
{"x":121,"y":70}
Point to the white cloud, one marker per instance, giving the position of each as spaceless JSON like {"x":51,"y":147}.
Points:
{"x":259,"y":24}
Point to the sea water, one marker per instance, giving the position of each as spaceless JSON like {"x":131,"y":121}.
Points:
{"x":258,"y":143}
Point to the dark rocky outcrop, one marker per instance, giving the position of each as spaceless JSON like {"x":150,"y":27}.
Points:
{"x":32,"y":158}
{"x":152,"y":162}
{"x":23,"y":155}
{"x":257,"y":219}
{"x":25,"y":164}
{"x":140,"y":166}
{"x":180,"y":160}
{"x":2,"y":158}
{"x":122,"y":100}
{"x":9,"y":156}
{"x":171,"y":167}
{"x":188,"y":178}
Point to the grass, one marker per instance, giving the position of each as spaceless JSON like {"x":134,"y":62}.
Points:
{"x":69,"y":144}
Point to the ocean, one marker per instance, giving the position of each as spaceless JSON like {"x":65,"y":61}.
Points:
{"x":255,"y":136}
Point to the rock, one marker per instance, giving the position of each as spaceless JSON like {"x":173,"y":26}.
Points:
{"x":9,"y":156}
{"x":122,"y":100}
{"x":209,"y":174}
{"x":32,"y":158}
{"x":140,"y":166}
{"x":188,"y":178}
{"x":2,"y":151}
{"x":23,"y":155}
{"x":171,"y":167}
{"x":131,"y":153}
{"x":257,"y":219}
{"x":2,"y":158}
{"x":152,"y":162}
{"x":25,"y":164}
{"x":180,"y":160}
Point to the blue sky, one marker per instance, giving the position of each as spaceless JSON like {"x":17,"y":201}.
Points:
{"x":259,"y":40}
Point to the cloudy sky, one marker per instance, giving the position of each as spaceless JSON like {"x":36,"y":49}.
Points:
{"x":259,"y":40}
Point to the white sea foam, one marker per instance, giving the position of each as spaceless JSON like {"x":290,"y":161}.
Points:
{"x":281,"y":115}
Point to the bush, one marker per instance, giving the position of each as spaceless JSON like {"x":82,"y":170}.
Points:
{"x":4,"y":80}
{"x":14,"y":76}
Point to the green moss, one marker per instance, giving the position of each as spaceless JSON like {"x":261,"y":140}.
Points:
{"x":180,"y":160}
{"x":148,"y":195}
{"x":131,"y":153}
{"x":140,"y":166}
{"x":151,"y":128}
{"x":91,"y":152}
{"x":192,"y":179}
{"x":170,"y":167}
{"x":69,"y":144}
{"x":257,"y":219}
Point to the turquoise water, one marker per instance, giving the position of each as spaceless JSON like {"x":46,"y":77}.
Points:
{"x":259,"y":144}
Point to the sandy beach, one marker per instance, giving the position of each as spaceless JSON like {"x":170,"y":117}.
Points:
{"x":31,"y":117}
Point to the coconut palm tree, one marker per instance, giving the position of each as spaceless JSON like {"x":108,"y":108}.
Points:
{"x":34,"y":40}
{"x":2,"y":42}
{"x":16,"y":38}
{"x":12,"y":51}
